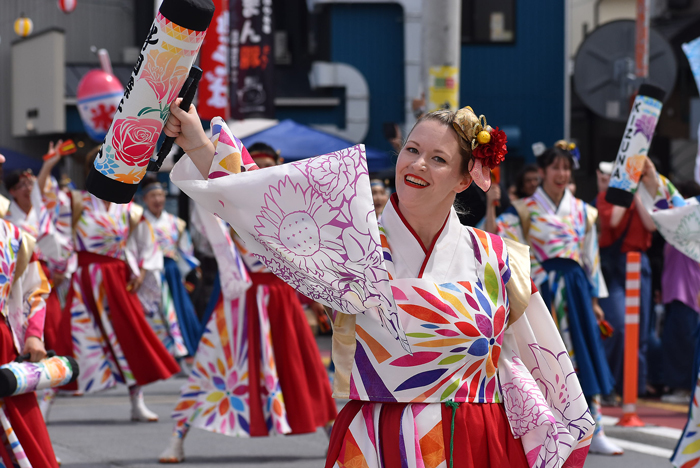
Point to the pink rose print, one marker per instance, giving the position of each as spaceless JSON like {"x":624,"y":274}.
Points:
{"x":135,"y":139}
{"x":163,"y":75}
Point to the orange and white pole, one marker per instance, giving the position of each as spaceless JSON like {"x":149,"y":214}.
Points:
{"x":629,"y":394}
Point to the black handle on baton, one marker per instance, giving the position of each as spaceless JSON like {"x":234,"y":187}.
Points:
{"x":26,"y":357}
{"x":187,"y":95}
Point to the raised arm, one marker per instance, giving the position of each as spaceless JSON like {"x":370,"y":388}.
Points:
{"x":48,"y":165}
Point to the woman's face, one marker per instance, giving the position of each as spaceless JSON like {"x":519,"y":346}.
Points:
{"x":556,"y":177}
{"x":155,"y":201}
{"x":380,"y":198}
{"x":22,"y":191}
{"x":531,"y":181}
{"x":429,"y":167}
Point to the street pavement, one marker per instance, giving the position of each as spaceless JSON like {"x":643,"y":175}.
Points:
{"x":94,"y":431}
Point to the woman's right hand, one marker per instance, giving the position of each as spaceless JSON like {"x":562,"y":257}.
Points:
{"x":649,"y":177}
{"x":185,"y":127}
{"x":189,"y":135}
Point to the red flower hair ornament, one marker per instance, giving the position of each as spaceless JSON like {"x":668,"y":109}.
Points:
{"x":487,"y":144}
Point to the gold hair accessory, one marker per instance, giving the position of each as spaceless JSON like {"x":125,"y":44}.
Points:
{"x":565,"y":145}
{"x":471,"y":128}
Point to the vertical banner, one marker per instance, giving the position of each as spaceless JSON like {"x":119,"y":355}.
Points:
{"x":641,"y":48}
{"x":692,"y":51}
{"x":252,"y":59}
{"x":213,"y":60}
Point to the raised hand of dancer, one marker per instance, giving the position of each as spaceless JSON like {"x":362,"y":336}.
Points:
{"x":649,"y":177}
{"x":49,"y":164}
{"x":186,"y":128}
{"x":35,"y":348}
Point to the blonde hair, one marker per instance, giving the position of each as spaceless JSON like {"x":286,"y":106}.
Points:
{"x":447,"y":118}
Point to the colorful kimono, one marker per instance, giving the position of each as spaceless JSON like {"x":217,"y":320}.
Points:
{"x":566,"y":269}
{"x":260,"y":332}
{"x":424,"y":340}
{"x":168,"y":307}
{"x":113,"y":244}
{"x":53,"y":250}
{"x":24,"y":288}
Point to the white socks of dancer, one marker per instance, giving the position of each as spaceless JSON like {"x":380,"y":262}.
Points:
{"x":600,"y":444}
{"x":175,"y":451}
{"x":139,"y":412}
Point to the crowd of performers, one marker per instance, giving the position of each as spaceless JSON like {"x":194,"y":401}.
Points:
{"x":455,"y":346}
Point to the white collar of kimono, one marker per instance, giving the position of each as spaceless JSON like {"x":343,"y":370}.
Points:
{"x":564,"y":207}
{"x":19,"y":214}
{"x":152,"y":218}
{"x":98,"y":205}
{"x":451,"y":255}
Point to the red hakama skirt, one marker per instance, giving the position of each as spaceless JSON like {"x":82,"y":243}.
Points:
{"x":302,"y":376}
{"x":24,"y":415}
{"x":482,"y":437}
{"x":146,"y":356}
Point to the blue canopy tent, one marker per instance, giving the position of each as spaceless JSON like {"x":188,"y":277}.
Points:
{"x":15,"y":160}
{"x":296,"y":141}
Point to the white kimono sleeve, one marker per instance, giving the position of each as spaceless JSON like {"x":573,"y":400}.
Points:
{"x":186,"y":261}
{"x":233,"y":275}
{"x":591,"y":260}
{"x":311,"y":222}
{"x":142,"y":249}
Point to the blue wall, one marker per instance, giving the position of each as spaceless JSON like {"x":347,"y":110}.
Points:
{"x":521,"y":83}
{"x":370,"y":38}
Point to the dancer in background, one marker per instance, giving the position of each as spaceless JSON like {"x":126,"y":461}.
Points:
{"x":116,"y":248}
{"x":168,"y":307}
{"x":22,"y":300}
{"x":560,"y":230}
{"x":475,"y":325}
{"x":30,"y":212}
{"x":262,"y":332}
{"x":380,"y":195}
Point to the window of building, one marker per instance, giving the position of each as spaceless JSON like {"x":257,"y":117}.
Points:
{"x":491,"y":22}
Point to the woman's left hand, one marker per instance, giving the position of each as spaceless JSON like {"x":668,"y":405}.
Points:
{"x":135,"y":283}
{"x":598,"y":311}
{"x":35,"y":348}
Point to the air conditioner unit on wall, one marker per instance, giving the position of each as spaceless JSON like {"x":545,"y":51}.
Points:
{"x":38,"y":84}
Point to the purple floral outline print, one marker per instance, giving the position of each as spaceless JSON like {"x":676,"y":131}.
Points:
{"x":555,"y":376}
{"x":322,"y":238}
{"x":526,"y":406}
{"x":645,"y":125}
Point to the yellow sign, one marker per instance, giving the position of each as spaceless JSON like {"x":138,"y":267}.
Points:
{"x":444,"y":88}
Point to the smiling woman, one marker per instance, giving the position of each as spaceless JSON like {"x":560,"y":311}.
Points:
{"x":439,"y":334}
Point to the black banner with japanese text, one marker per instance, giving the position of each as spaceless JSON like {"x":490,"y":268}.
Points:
{"x":252,"y":77}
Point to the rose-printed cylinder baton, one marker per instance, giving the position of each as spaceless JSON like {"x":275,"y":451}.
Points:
{"x":634,"y":147}
{"x":162,"y":68}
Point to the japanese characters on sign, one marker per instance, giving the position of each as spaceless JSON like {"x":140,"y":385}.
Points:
{"x":251,"y":59}
{"x":214,"y":87}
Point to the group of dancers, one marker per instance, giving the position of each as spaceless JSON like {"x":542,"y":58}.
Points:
{"x":455,"y":346}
